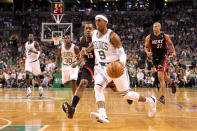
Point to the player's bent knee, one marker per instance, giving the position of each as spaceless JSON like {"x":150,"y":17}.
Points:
{"x":99,"y":94}
{"x":84,"y":82}
{"x":131,"y":95}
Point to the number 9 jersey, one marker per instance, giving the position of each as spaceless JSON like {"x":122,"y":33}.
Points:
{"x":104,"y":51}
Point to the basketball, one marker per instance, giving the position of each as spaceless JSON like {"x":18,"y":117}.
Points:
{"x":115,"y":69}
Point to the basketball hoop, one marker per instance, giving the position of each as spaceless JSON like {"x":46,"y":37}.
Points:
{"x":56,"y":40}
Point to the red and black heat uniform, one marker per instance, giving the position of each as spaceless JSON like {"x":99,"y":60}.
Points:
{"x":87,"y":71}
{"x":159,"y":49}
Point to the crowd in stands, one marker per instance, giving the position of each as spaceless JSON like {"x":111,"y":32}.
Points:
{"x":179,"y":22}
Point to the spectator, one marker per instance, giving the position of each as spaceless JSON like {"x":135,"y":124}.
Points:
{"x":140,"y":77}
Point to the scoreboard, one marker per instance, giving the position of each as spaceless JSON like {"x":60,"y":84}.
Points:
{"x":57,"y":8}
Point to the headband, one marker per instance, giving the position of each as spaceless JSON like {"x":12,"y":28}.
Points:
{"x":102,"y":17}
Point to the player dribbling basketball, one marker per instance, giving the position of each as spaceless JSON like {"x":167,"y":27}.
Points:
{"x":108,"y":48}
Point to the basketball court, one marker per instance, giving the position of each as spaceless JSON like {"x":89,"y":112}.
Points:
{"x":18,"y":113}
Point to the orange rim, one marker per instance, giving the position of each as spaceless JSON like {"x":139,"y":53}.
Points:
{"x":56,"y":38}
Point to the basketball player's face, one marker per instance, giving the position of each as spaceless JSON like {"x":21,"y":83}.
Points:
{"x":31,"y":37}
{"x":156,"y":28}
{"x":88,"y":30}
{"x":67,"y":39}
{"x":100,"y":24}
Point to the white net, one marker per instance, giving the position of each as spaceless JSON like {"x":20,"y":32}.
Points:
{"x":56,"y":40}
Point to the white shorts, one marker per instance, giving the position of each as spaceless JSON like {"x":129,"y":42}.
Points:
{"x":33,"y":67}
{"x":101,"y":78}
{"x":69,"y":73}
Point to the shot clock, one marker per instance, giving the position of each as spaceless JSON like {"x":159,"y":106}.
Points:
{"x":57,"y":8}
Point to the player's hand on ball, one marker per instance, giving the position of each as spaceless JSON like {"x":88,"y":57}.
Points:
{"x":149,"y":54}
{"x":174,"y":54}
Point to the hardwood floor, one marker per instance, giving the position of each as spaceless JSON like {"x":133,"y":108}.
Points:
{"x":36,"y":114}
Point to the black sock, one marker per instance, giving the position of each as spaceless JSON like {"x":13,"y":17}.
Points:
{"x":162,"y":97}
{"x":75,"y":101}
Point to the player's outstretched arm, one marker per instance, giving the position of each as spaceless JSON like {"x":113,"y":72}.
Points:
{"x":147,"y":45}
{"x":171,"y":45}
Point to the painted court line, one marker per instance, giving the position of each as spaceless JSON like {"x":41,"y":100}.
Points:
{"x":9,"y":123}
{"x":180,"y":106}
{"x":43,"y":128}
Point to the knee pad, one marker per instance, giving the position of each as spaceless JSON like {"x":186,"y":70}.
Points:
{"x":99,"y":94}
{"x":131,"y":95}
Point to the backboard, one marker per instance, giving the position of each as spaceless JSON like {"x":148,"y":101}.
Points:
{"x":50,"y":30}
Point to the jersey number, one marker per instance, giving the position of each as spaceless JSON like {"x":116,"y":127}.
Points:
{"x":67,"y":60}
{"x":159,"y":45}
{"x":90,"y":55}
{"x":102,"y":55}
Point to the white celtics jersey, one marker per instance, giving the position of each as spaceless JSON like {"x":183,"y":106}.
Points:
{"x":103,"y":49}
{"x":68,"y":55}
{"x":30,"y":57}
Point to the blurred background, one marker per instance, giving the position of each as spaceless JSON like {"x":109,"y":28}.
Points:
{"x":131,"y":19}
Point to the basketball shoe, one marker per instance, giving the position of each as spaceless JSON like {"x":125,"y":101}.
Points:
{"x":28,"y":92}
{"x":40,"y":91}
{"x":162,"y":99}
{"x":99,"y":116}
{"x":69,"y":110}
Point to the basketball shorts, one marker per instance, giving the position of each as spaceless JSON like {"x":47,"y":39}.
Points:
{"x":69,"y":73}
{"x":33,"y":67}
{"x":86,"y":73}
{"x":161,"y":64}
{"x":101,"y":78}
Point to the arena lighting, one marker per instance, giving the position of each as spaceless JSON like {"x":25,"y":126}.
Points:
{"x":166,"y":0}
{"x":91,"y":1}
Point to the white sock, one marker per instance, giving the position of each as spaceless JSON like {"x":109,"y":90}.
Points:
{"x":102,"y":111}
